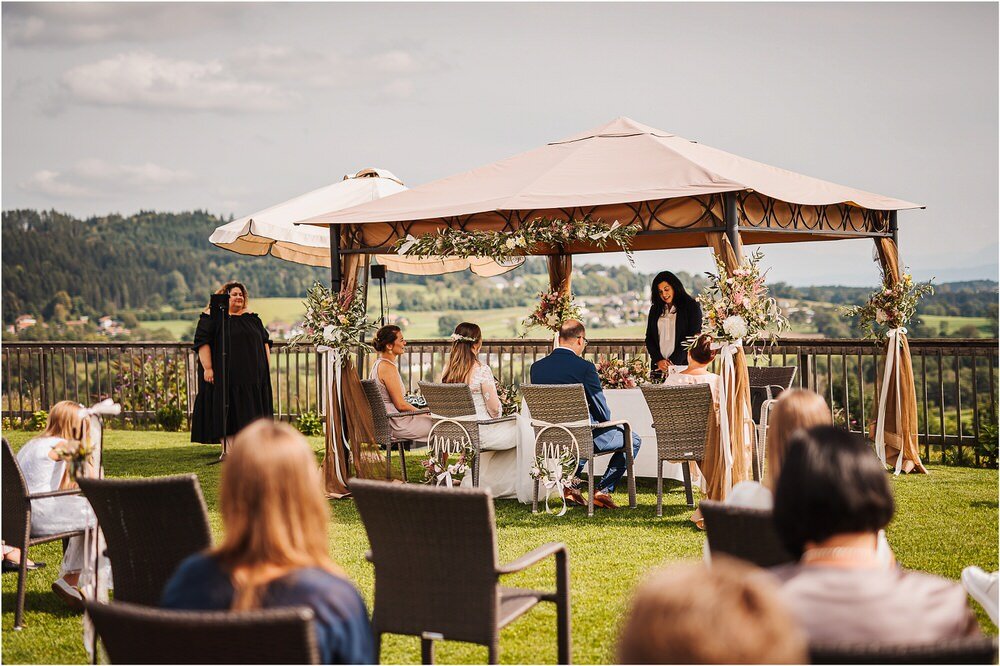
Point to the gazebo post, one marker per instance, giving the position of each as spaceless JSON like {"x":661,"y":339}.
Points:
{"x":893,"y":227}
{"x":335,"y":258}
{"x":732,"y":223}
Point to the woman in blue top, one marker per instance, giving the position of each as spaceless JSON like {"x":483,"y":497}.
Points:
{"x":275,"y":550}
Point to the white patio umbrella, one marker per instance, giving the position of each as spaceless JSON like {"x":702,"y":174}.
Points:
{"x":273,"y":230}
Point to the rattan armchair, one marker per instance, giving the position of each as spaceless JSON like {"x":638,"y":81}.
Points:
{"x":680,"y":420}
{"x":454,"y":401}
{"x":973,"y":650}
{"x":417,"y":534}
{"x":135,"y":634}
{"x":150,"y":526}
{"x":17,"y":521}
{"x":566,"y":405}
{"x":383,"y":429}
{"x":770,"y":382}
{"x":748,"y":534}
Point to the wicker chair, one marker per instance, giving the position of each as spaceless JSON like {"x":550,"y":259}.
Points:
{"x":768,"y":382}
{"x":383,"y":431}
{"x":566,"y":405}
{"x":150,"y":526}
{"x":680,"y":419}
{"x":17,"y":521}
{"x":417,"y":534}
{"x":134,"y":634}
{"x":454,"y":401}
{"x":974,"y":650}
{"x":748,"y":534}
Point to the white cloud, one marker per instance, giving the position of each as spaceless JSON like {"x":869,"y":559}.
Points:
{"x":68,"y":24}
{"x":397,"y":90}
{"x":94,"y":178}
{"x":143,"y":80}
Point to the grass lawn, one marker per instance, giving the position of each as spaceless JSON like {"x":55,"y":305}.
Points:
{"x":944,"y":521}
{"x":952,"y":324}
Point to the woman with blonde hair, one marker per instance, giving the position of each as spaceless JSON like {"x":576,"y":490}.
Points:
{"x":498,"y":441}
{"x":275,"y":551}
{"x":42,"y":461}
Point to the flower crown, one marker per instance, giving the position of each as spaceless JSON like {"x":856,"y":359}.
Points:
{"x":458,"y":337}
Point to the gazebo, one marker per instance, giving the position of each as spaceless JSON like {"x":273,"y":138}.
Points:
{"x":678,"y":192}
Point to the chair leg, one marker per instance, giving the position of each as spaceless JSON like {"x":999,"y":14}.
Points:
{"x":388,"y":460}
{"x":590,"y":486}
{"x":494,"y":652}
{"x":534,"y":497}
{"x":755,"y":462}
{"x":563,"y":607}
{"x":688,"y":492}
{"x":659,"y":488}
{"x":22,"y":579}
{"x":426,"y":651}
{"x":402,"y":461}
{"x":631,"y":465}
{"x":378,"y":647}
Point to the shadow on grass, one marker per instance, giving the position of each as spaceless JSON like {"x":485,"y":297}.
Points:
{"x":36,"y":601}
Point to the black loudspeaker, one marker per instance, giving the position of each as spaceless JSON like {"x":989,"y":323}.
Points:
{"x":378,"y":272}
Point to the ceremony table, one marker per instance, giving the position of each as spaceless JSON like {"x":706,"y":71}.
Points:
{"x":625,"y":404}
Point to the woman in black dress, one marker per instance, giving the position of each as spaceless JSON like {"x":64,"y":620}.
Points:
{"x":674,"y":317}
{"x":249,"y":380}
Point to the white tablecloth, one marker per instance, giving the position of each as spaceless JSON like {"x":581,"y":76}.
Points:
{"x":625,"y":404}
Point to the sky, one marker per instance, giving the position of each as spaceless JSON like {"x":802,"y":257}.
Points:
{"x":231,"y":107}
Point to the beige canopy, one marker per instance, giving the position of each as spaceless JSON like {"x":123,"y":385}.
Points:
{"x":673,"y":187}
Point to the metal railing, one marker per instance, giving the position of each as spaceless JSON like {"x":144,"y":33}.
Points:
{"x":955,"y":378}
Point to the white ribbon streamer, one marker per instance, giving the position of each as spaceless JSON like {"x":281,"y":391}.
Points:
{"x":331,"y":364}
{"x":727,"y":389}
{"x":407,"y":245}
{"x":892,"y":360}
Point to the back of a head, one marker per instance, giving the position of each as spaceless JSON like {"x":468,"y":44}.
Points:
{"x":702,"y":349}
{"x":571,"y":329}
{"x":795,"y":409}
{"x":273,"y":507}
{"x":831,"y":483}
{"x":67,"y":421}
{"x":728,"y":613}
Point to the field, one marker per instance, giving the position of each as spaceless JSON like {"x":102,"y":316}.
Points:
{"x":952,"y":324}
{"x":944,"y":521}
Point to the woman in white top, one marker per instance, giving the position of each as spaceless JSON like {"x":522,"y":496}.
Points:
{"x":389,"y":343}
{"x":44,"y":471}
{"x":674,"y":317}
{"x":498,"y":442}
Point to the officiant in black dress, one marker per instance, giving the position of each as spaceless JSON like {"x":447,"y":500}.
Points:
{"x":674,"y":318}
{"x":249,"y":381}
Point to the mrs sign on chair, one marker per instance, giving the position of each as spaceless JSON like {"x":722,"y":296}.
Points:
{"x":422,"y":537}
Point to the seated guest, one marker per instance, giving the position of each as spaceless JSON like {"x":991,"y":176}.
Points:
{"x":498,"y":441}
{"x":45,"y":470}
{"x":12,"y":560}
{"x":831,"y":500}
{"x":692,"y":614}
{"x":275,"y":550}
{"x":565,"y":366}
{"x":389,"y":344}
{"x":713,"y":467}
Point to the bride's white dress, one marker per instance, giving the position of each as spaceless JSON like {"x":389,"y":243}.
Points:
{"x":498,"y":442}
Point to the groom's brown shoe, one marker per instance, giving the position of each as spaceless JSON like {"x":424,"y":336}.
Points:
{"x":573,"y":496}
{"x":604,"y":500}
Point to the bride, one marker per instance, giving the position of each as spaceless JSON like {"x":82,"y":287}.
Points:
{"x":498,"y":441}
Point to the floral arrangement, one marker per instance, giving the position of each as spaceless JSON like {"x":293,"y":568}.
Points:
{"x":507,"y":246}
{"x":77,"y":454}
{"x":890,"y":307}
{"x":735,"y":306}
{"x":510,"y":399}
{"x":436,"y":469}
{"x":559,"y":470}
{"x":554,"y":307}
{"x":616,"y":373}
{"x":329,"y":322}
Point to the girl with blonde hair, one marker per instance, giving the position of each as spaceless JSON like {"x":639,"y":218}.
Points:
{"x":498,"y":441}
{"x":275,"y":550}
{"x":45,"y":470}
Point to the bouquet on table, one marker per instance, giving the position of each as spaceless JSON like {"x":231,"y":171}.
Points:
{"x":890,"y":308}
{"x":554,"y":307}
{"x":736,"y":306}
{"x":618,"y":374}
{"x":329,"y":322}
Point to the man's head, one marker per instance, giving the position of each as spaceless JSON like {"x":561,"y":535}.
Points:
{"x":572,"y":336}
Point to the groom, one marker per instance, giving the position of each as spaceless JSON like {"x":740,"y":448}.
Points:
{"x":565,"y":366}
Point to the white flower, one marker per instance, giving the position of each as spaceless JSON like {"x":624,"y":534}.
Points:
{"x":735,"y":327}
{"x":552,"y":319}
{"x":330,"y":333}
{"x":511,"y":243}
{"x":880,"y":316}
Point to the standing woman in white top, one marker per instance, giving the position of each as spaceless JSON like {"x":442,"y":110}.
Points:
{"x":498,"y":441}
{"x":46,"y":471}
{"x":674,"y":317}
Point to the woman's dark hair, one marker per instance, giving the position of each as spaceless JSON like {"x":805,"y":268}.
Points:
{"x":385,"y":337}
{"x":831,"y":483}
{"x":701,"y":350}
{"x":681,"y":297}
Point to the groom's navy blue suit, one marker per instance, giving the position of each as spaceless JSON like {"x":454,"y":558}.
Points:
{"x":563,"y":366}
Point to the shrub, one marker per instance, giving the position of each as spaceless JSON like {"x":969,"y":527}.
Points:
{"x":170,"y":418}
{"x":310,"y":423}
{"x":986,"y":447}
{"x":38,"y":420}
